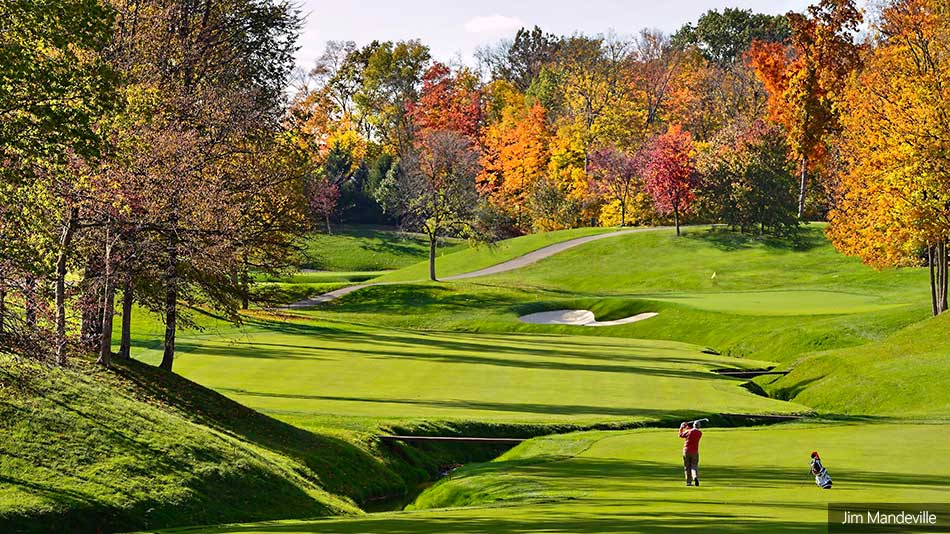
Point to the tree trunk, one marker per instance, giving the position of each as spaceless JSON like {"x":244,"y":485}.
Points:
{"x":432,"y":245}
{"x":942,"y":270}
{"x":803,"y":188}
{"x":932,"y":262}
{"x":108,"y":306}
{"x":245,"y":290}
{"x":329,"y":229}
{"x":623,"y":213}
{"x":676,"y":219}
{"x":108,"y":314}
{"x":63,"y":256}
{"x":3,"y":310}
{"x":128,"y":299}
{"x":29,"y":298}
{"x":171,"y":305}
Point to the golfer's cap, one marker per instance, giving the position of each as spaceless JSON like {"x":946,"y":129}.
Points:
{"x":814,"y":454}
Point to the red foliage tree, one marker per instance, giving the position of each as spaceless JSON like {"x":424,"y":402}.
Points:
{"x":448,"y":102}
{"x":323,"y":196}
{"x":671,"y":176}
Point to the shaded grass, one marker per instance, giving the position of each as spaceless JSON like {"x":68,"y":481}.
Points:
{"x":81,"y":451}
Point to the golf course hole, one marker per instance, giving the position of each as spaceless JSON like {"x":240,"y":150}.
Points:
{"x":579,"y":318}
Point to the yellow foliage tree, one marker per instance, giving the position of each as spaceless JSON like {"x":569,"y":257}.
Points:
{"x":895,"y":192}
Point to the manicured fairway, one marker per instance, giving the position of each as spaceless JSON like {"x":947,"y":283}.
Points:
{"x":753,"y":480}
{"x":779,"y":302}
{"x":320,"y":374}
{"x":402,"y":355}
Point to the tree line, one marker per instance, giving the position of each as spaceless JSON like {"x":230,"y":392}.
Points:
{"x":154,"y":157}
{"x":567,"y":131}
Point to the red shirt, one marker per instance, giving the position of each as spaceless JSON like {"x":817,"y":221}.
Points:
{"x":692,"y":437}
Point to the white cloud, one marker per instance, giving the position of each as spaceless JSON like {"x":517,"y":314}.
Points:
{"x":493,"y":24}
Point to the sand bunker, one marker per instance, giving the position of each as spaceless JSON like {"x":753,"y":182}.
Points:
{"x":579,"y":318}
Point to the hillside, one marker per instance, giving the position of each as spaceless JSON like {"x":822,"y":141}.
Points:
{"x":905,"y":375}
{"x":366,"y":248}
{"x":88,"y":450}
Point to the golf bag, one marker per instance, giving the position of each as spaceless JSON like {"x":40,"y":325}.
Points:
{"x":822,"y":478}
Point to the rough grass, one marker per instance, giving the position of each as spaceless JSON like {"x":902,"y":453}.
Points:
{"x":753,"y":480}
{"x":904,"y":375}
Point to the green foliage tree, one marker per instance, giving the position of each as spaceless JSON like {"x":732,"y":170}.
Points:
{"x":746,"y":179}
{"x":724,"y":36}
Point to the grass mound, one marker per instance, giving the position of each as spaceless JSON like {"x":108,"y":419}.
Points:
{"x":91,"y":450}
{"x":904,"y":375}
{"x":467,"y":259}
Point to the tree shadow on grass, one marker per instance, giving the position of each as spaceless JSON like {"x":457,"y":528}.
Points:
{"x":481,"y":350}
{"x":475,"y":405}
{"x":543,"y":521}
{"x":796,"y":239}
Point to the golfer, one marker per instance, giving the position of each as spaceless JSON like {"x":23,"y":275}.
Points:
{"x":691,"y":435}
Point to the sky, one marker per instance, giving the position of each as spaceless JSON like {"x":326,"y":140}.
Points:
{"x":455,"y":29}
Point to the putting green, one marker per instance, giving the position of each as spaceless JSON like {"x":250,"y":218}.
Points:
{"x":779,"y":302}
{"x":319,"y":372}
{"x":753,"y":480}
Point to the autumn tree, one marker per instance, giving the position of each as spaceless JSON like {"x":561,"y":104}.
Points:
{"x":390,"y":77}
{"x":671,"y":176}
{"x":616,"y":175}
{"x":894,"y":199}
{"x":448,"y":102}
{"x":205,"y":84}
{"x":746,"y":179}
{"x":593,"y":73}
{"x":515,"y":154}
{"x":57,"y":88}
{"x":434,"y":188}
{"x":804,"y":80}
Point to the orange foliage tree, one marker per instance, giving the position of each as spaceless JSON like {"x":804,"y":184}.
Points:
{"x":448,"y":102}
{"x":804,"y":80}
{"x":515,"y":157}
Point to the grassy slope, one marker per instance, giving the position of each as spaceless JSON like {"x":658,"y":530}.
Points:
{"x":475,"y":258}
{"x":366,"y":249}
{"x":905,"y":375}
{"x":88,"y":449}
{"x":754,"y":480}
